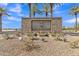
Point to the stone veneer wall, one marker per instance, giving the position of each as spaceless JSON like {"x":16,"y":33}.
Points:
{"x":56,"y":24}
{"x":26,"y":25}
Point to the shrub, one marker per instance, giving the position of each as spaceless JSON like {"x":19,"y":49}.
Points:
{"x":29,"y":45}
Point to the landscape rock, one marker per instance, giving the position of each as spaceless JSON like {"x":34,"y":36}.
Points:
{"x":2,"y":36}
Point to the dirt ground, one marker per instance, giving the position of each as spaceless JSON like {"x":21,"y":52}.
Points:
{"x":13,"y":47}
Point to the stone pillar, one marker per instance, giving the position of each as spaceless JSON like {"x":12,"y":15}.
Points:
{"x":52,"y":22}
{"x":26,"y":25}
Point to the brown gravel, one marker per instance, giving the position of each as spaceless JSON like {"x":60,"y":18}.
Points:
{"x":14,"y":47}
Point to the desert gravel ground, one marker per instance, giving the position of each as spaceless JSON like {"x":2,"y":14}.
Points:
{"x":13,"y":47}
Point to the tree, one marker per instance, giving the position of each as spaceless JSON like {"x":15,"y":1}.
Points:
{"x":74,"y":11}
{"x":3,"y":11}
{"x":33,"y":8}
{"x":46,"y":9}
{"x":29,"y":4}
{"x":49,"y":8}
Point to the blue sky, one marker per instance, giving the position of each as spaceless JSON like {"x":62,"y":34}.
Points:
{"x":19,"y":10}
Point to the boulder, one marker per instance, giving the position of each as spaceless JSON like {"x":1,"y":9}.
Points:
{"x":2,"y":36}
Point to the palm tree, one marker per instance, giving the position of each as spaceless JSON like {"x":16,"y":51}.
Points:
{"x":50,"y":7}
{"x":29,"y":4}
{"x":2,"y":12}
{"x":33,"y":9}
{"x":46,"y":9}
{"x":74,"y":11}
{"x":1,"y":19}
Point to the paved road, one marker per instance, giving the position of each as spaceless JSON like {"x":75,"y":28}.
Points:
{"x":72,"y":33}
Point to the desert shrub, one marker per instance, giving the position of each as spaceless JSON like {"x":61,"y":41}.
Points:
{"x":35,"y":34}
{"x":44,"y":34}
{"x":57,"y":37}
{"x":2,"y":36}
{"x":61,"y":37}
{"x":35,"y":38}
{"x":29,"y":45}
{"x":44,"y":40}
{"x":53,"y":35}
{"x":30,"y":34}
{"x":47,"y":34}
{"x":73,"y":44}
{"x":19,"y":34}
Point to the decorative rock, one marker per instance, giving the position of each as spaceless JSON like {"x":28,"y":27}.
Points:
{"x":20,"y":38}
{"x":35,"y":38}
{"x":3,"y":36}
{"x":44,"y":40}
{"x":27,"y":39}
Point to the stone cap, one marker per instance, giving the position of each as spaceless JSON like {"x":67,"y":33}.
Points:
{"x":41,"y":18}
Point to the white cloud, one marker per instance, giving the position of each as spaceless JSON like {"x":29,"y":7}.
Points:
{"x":63,"y":11}
{"x":16,"y":9}
{"x":71,"y":20}
{"x":6,"y":22}
{"x":14,"y":18}
{"x":3,"y":4}
{"x":10,"y":18}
